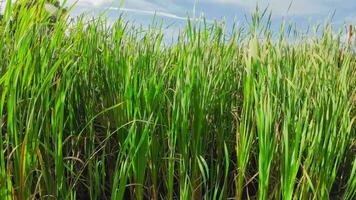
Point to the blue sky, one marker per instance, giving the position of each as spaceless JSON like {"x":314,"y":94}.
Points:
{"x":218,"y":9}
{"x":174,"y":12}
{"x":301,"y":12}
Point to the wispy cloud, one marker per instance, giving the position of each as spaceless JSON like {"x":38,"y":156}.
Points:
{"x":283,"y":7}
{"x":150,"y":12}
{"x":138,"y":4}
{"x":90,"y":2}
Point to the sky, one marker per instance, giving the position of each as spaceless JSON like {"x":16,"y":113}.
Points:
{"x":218,"y":9}
{"x":301,"y":13}
{"x":175,"y":12}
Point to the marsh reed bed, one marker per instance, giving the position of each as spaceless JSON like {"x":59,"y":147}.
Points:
{"x":97,"y":111}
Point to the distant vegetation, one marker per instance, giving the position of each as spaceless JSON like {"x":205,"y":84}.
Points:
{"x":92,"y":111}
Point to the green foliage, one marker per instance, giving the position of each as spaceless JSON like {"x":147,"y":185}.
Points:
{"x":97,"y":111}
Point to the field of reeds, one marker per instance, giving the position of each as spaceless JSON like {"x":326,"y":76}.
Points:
{"x":92,"y":110}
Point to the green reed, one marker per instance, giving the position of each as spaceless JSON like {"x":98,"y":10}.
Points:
{"x":92,"y":110}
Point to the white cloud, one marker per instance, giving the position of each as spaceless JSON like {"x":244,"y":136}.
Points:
{"x":156,"y":13}
{"x":92,"y":5}
{"x":148,"y":12}
{"x":90,"y":2}
{"x":283,"y":7}
{"x":139,"y":4}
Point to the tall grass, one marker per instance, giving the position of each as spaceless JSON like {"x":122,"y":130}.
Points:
{"x":97,"y":111}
